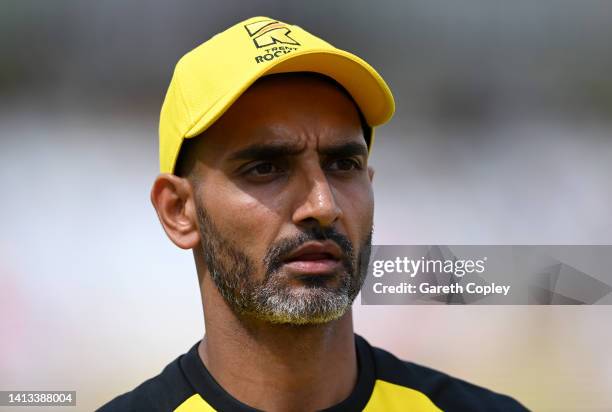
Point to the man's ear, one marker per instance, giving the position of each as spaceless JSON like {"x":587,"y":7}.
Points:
{"x":174,"y":201}
{"x":371,"y":173}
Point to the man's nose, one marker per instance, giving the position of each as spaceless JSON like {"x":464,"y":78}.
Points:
{"x":318,"y":202}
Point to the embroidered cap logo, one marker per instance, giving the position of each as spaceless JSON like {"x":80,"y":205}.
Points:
{"x":268,"y":32}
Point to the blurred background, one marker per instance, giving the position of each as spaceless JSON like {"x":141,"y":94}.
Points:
{"x":502,"y":135}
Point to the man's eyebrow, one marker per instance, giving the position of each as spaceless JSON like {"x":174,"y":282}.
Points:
{"x":345,"y":150}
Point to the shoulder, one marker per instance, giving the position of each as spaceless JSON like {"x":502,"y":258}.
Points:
{"x":163,"y":392}
{"x":446,"y":392}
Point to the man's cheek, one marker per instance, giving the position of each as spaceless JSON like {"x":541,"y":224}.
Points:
{"x":253,"y":230}
{"x":238,"y":212}
{"x":358,"y":217}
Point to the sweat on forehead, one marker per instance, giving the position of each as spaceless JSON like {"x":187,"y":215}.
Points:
{"x":188,"y":153}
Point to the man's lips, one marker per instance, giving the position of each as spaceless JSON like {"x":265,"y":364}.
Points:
{"x":315,"y":258}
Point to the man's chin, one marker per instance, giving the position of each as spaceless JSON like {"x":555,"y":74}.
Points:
{"x":304,"y":305}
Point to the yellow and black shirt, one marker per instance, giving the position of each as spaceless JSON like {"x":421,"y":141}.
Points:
{"x":385,"y":383}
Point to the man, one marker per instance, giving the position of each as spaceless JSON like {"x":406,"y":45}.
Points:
{"x":264,"y":140}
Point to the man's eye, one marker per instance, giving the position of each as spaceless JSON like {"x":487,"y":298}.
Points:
{"x":263,"y":169}
{"x":344,"y":165}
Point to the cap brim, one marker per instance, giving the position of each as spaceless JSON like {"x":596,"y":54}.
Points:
{"x":365,"y":85}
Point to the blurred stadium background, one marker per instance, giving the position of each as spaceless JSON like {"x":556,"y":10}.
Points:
{"x":502,"y":136}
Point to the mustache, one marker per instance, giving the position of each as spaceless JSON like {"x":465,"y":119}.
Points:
{"x":275,"y":256}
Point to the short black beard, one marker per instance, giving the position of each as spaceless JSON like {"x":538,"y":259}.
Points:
{"x":272,"y":299}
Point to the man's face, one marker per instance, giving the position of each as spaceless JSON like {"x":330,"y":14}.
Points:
{"x":284,"y":201}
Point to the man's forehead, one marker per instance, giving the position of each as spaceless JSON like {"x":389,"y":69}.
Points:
{"x":277,"y":144}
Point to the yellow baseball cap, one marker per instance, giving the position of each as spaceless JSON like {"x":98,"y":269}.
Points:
{"x":208,"y":79}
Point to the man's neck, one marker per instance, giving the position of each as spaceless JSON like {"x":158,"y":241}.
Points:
{"x":279,"y":367}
